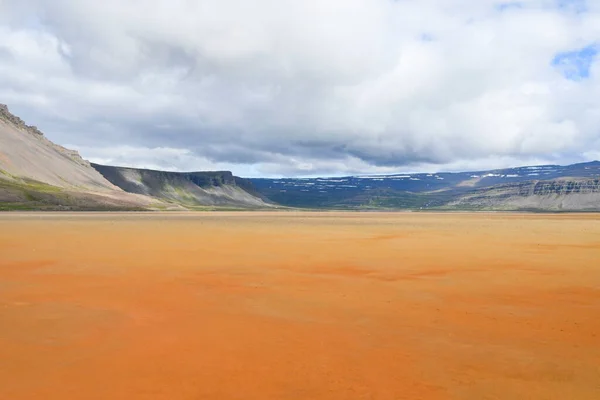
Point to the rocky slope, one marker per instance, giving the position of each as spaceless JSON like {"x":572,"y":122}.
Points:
{"x":26,"y":154}
{"x":190,"y":189}
{"x":38,"y":174}
{"x":565,"y":194}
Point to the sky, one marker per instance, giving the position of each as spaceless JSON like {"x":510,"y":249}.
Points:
{"x":308,"y":87}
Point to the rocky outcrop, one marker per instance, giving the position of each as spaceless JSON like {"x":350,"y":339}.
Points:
{"x":189,"y":189}
{"x":561,"y":187}
{"x":17,"y":122}
{"x":565,"y":194}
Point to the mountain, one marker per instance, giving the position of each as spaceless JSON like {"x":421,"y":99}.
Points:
{"x":543,"y":187}
{"x":190,"y":189}
{"x":26,"y":154}
{"x":36,"y":174}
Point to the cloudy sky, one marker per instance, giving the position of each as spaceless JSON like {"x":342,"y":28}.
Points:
{"x":308,"y":87}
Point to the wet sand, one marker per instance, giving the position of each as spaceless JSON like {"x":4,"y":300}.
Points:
{"x":299,"y":306}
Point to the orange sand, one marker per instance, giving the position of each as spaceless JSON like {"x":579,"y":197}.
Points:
{"x":299,"y":306}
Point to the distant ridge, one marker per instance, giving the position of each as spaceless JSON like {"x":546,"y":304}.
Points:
{"x":566,"y":188}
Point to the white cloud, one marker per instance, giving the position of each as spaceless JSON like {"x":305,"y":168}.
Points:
{"x":305,"y":87}
{"x":164,"y":158}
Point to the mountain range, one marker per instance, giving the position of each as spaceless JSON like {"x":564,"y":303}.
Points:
{"x":36,"y":174}
{"x":545,"y":187}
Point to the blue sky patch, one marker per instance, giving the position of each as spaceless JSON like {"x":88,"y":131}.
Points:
{"x":509,"y":5}
{"x":575,"y":65}
{"x":427,"y":37}
{"x":577,"y":6}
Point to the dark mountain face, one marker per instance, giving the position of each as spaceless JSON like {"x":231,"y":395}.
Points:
{"x":417,"y":191}
{"x":188,"y":189}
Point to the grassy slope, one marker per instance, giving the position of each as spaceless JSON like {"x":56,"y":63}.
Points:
{"x":24,"y":194}
{"x":29,"y":195}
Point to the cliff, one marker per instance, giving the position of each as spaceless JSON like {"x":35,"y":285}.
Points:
{"x":565,"y":194}
{"x":189,"y":189}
